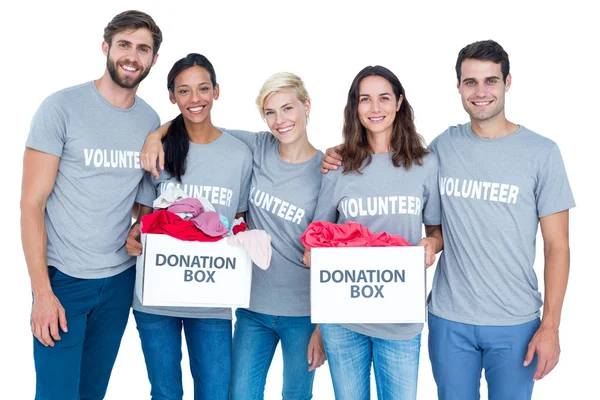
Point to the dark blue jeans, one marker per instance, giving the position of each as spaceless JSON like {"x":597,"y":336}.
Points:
{"x":209,"y":348}
{"x":79,"y":365}
{"x":255,"y":339}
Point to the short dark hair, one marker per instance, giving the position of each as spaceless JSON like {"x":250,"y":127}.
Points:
{"x":485,"y":50}
{"x":133,"y":19}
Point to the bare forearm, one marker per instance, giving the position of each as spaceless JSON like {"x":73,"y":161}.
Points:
{"x":162,"y":130}
{"x":34,"y":240}
{"x":556,"y":276}
{"x":435,"y":232}
{"x":142,"y":211}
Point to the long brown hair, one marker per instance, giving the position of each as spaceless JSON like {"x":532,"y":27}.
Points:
{"x":407,"y":145}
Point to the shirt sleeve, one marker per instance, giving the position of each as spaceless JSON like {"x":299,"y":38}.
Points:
{"x":146,"y":193}
{"x":433,"y":145}
{"x":553,"y":192}
{"x":432,"y":203}
{"x":327,"y":202}
{"x":48,"y":132}
{"x":251,"y":139}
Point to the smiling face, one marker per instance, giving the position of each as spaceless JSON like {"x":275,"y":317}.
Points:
{"x":377,"y":105}
{"x":194,"y":94}
{"x":130,"y":57}
{"x":482,"y":89}
{"x":286,"y":115}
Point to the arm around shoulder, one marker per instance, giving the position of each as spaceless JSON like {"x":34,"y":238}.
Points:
{"x":153,"y":150}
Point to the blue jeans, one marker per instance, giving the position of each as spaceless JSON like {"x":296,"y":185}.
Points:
{"x":209,"y":348}
{"x":255,"y":339}
{"x":395,"y":362}
{"x":458,"y":352}
{"x":79,"y":365}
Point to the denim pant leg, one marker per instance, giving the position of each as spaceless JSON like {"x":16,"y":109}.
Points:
{"x":105,"y":327}
{"x":396,"y":366}
{"x":349,"y":355}
{"x":504,"y":349}
{"x":455,"y":359}
{"x":161,"y":344}
{"x":295,"y":334}
{"x":254,"y":344}
{"x":58,"y":368}
{"x":209,"y":348}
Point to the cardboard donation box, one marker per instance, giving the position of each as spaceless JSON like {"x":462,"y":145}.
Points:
{"x":368,"y":285}
{"x":172,"y":272}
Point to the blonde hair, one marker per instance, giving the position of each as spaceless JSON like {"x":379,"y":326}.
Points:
{"x":278,"y":82}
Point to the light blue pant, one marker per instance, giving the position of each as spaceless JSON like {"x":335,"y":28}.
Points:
{"x":255,"y":339}
{"x":395,"y":362}
{"x":209,"y":348}
{"x":458,"y":352}
{"x":80,"y":363}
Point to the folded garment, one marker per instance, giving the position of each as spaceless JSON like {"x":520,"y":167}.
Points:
{"x":350,"y":234}
{"x":192,"y":209}
{"x":258,"y":245}
{"x":188,"y":205}
{"x":210,"y":223}
{"x":167,"y":223}
{"x":169,"y":196}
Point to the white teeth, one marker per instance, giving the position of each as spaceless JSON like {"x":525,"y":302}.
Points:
{"x":125,"y":67}
{"x":378,"y":119}
{"x":482,"y":103}
{"x":284,"y":130}
{"x":196,"y":109}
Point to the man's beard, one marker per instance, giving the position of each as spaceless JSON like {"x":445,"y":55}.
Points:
{"x":125,"y":83}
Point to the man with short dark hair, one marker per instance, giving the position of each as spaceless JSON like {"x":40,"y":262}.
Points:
{"x":80,"y":177}
{"x":498,"y":181}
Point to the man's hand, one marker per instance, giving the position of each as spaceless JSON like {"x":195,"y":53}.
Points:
{"x":316,"y":350}
{"x":331,"y":159}
{"x":133,"y":244}
{"x":152,"y":151}
{"x":46,"y":316}
{"x":546,"y":344}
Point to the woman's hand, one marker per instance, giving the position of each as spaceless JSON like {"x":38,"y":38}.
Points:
{"x":316,"y":350}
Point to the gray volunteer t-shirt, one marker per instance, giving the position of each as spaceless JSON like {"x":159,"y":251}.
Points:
{"x":405,"y":201}
{"x":88,"y":213}
{"x":219,"y":171}
{"x":494,"y":191}
{"x":282,"y":202}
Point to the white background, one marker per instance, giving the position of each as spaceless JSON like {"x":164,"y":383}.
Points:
{"x":47,"y":46}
